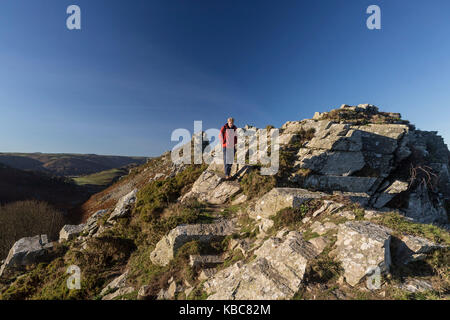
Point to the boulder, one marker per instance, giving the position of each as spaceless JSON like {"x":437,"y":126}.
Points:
{"x":123,"y":206}
{"x":212,"y":188}
{"x":167,"y":247}
{"x":117,"y":283}
{"x":69,"y":232}
{"x":27,"y":251}
{"x":361,"y":247}
{"x":276,"y":273}
{"x":279,"y":198}
{"x":413,"y":248}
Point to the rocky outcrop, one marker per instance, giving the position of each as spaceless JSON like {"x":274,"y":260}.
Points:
{"x":276,"y":273}
{"x":279,"y":198}
{"x":91,"y":225}
{"x":362,"y":247}
{"x":212,"y":188}
{"x":69,"y":232}
{"x":422,"y":208}
{"x":27,"y":251}
{"x":123,"y":207}
{"x":167,"y":247}
{"x":108,"y":292}
{"x":358,"y":149}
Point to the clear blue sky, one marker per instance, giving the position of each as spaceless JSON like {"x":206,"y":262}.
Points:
{"x":140,"y":69}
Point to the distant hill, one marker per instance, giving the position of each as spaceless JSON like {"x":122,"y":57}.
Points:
{"x":67,"y":164}
{"x":16,"y":185}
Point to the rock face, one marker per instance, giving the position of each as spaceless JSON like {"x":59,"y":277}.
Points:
{"x":361,"y":247}
{"x":91,"y":225}
{"x":27,"y":251}
{"x":69,"y":232}
{"x":211,"y":188}
{"x":423,"y":209}
{"x":276,"y":273}
{"x":358,"y":149}
{"x":123,"y":206}
{"x":387,"y":195}
{"x":167,"y":247}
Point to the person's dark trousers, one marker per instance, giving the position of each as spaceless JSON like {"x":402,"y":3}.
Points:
{"x":228,"y":158}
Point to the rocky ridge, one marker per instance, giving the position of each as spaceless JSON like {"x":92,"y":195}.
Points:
{"x":363,"y":195}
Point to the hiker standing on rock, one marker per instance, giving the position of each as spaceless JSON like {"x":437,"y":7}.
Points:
{"x":228,"y":138}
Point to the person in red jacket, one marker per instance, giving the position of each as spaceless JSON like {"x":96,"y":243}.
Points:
{"x":228,"y":138}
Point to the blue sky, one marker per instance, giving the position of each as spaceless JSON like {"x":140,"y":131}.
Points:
{"x":140,"y":69}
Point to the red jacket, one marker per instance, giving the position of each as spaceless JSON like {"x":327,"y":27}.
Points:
{"x":224,"y":135}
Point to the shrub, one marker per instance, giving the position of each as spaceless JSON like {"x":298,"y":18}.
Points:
{"x":157,"y":195}
{"x":292,"y":217}
{"x":255,"y":185}
{"x":26,"y":219}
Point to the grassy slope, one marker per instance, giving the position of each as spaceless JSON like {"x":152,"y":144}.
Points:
{"x":104,"y":178}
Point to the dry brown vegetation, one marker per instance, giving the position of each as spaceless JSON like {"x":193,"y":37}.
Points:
{"x":25,"y":219}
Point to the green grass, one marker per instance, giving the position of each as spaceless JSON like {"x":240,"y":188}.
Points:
{"x":104,"y":178}
{"x":399,"y":224}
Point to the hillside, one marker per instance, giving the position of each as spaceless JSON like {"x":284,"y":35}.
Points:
{"x":16,"y":185}
{"x":67,"y":164}
{"x":357,"y":210}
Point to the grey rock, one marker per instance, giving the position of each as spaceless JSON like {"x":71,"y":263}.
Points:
{"x":119,"y":292}
{"x":387,"y":195}
{"x":361,"y":247}
{"x":322,"y":228}
{"x":119,"y":282}
{"x":167,"y":247}
{"x":413,"y":248}
{"x":211,"y":188}
{"x":91,"y":225}
{"x":197,"y":261}
{"x":416,"y":285}
{"x":123,"y":206}
{"x":279,"y":198}
{"x":332,"y":162}
{"x":239,"y":200}
{"x":422,"y":209}
{"x":206,"y":274}
{"x":27,"y":251}
{"x":276,"y":273}
{"x":340,"y":183}
{"x":69,"y":232}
